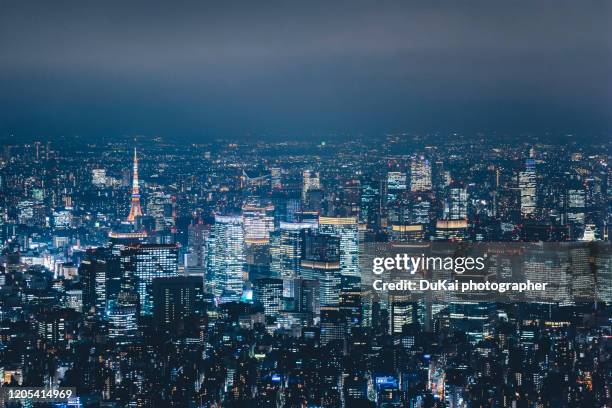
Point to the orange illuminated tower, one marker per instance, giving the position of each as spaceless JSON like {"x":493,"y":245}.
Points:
{"x":135,"y":210}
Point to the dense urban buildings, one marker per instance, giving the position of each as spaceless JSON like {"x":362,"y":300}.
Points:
{"x":154,"y":273}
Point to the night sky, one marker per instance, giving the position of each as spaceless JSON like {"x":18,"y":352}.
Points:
{"x":296,"y":69}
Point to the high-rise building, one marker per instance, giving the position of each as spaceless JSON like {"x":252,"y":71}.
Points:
{"x":456,"y":202}
{"x":396,"y":184}
{"x":258,"y":222}
{"x":576,"y":205}
{"x":226,"y":258}
{"x":146,"y":262}
{"x":306,"y":296}
{"x":310,"y":181}
{"x":402,"y":313}
{"x":197,"y":235}
{"x":287,"y":202}
{"x":420,"y":174}
{"x":527,"y":185}
{"x":135,"y":210}
{"x":93,"y":276}
{"x":268,"y":292}
{"x":333,"y":325}
{"x":475,"y":319}
{"x":370,"y":203}
{"x":286,"y":248}
{"x":159,"y":207}
{"x":176,"y":298}
{"x":321,"y":262}
{"x":347,"y":229}
{"x":123,"y":318}
{"x":350,"y":306}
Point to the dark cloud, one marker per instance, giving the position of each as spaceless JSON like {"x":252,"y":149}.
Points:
{"x":233,"y":68}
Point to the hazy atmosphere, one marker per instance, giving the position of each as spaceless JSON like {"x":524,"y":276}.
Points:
{"x":208,"y":69}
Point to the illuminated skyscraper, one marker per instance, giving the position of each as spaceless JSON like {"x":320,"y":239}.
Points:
{"x":159,"y":207}
{"x":576,"y":205}
{"x":258,"y":222}
{"x":321,"y":262}
{"x":402,"y":313}
{"x":94,"y":273}
{"x":146,"y":262}
{"x":369,"y":206}
{"x":226,"y":258}
{"x":346,"y":228}
{"x":123,"y":319}
{"x":527,"y":185}
{"x":420,"y":174}
{"x":456,"y":202}
{"x":396,"y":184}
{"x":286,"y":248}
{"x":310,"y":181}
{"x":269,"y":293}
{"x":135,"y":210}
{"x":333,"y":325}
{"x":197,"y":235}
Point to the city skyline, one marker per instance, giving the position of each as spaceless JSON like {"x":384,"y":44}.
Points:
{"x":322,"y":204}
{"x":246,"y":278}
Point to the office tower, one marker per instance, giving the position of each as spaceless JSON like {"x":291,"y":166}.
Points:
{"x":146,"y":262}
{"x":475,"y":319}
{"x":396,"y":184}
{"x":93,"y":273}
{"x":135,"y":210}
{"x":321,"y":262}
{"x":159,"y":207}
{"x":287,"y":202}
{"x":306,"y":296}
{"x":52,"y":325}
{"x":456,"y":202}
{"x":286,"y":248}
{"x":258,"y":222}
{"x":310,"y":181}
{"x":420,"y":174}
{"x":314,"y":200}
{"x":576,"y":205}
{"x":420,"y":212}
{"x":123,"y":318}
{"x":527,"y":185}
{"x":350,"y":306}
{"x":333,"y":325}
{"x":347,"y":229}
{"x":257,"y":261}
{"x":226,"y":258}
{"x":73,"y":299}
{"x":268,"y":292}
{"x":403,"y":313}
{"x":197,"y":235}
{"x":176,"y":299}
{"x":370,"y":205}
